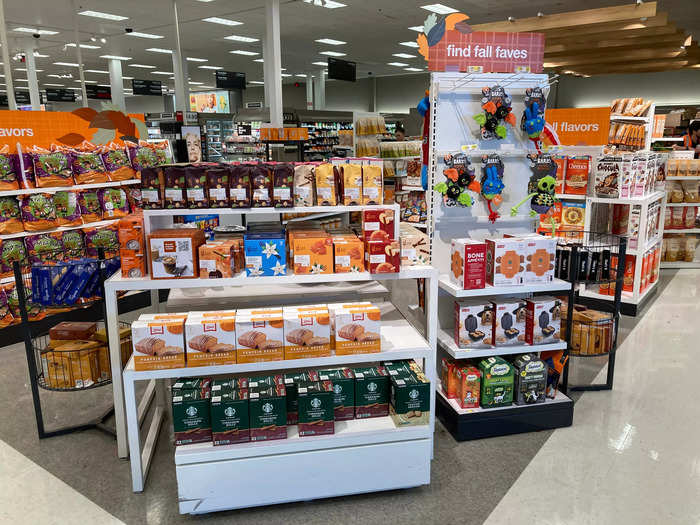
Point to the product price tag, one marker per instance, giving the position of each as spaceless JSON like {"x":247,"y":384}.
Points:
{"x":219,"y":194}
{"x":342,"y":260}
{"x":282,"y":193}
{"x":469,"y":147}
{"x":239,"y":194}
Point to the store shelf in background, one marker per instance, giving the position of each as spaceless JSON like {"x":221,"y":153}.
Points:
{"x":9,"y":193}
{"x":411,"y":188}
{"x":419,"y":225}
{"x":410,"y":157}
{"x":690,"y":177}
{"x":453,"y":289}
{"x":447,"y":342}
{"x":667,"y":139}
{"x":263,"y":211}
{"x":59,"y":229}
{"x":567,"y":197}
{"x":679,"y":265}
{"x":649,"y":245}
{"x":682,"y":204}
{"x":623,"y":118}
{"x":627,"y":297}
{"x":685,"y":230}
{"x":652,"y":197}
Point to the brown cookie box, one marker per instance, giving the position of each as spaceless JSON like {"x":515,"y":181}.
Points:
{"x":383,"y":256}
{"x":239,"y":184}
{"x":217,"y":187}
{"x":283,"y":186}
{"x":196,"y":180}
{"x":175,"y":184}
{"x":261,"y":186}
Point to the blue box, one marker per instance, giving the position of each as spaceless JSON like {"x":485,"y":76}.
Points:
{"x":265,"y":254}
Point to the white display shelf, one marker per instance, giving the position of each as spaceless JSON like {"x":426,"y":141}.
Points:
{"x":117,"y":282}
{"x":623,"y":118}
{"x":627,"y":297}
{"x":683,"y":178}
{"x":447,"y":342}
{"x":679,"y":265}
{"x":419,"y":225}
{"x":453,"y":289}
{"x":408,"y":157}
{"x":59,"y":229}
{"x":652,"y":197}
{"x":559,"y":398}
{"x":411,"y":188}
{"x":8,"y":193}
{"x":674,"y":204}
{"x":649,"y":245}
{"x":685,"y":230}
{"x":568,"y":197}
{"x":667,"y":139}
{"x":263,"y":211}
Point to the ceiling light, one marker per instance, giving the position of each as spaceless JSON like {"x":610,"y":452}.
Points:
{"x":196,"y":83}
{"x":93,"y":39}
{"x":259,"y":60}
{"x":409,"y":44}
{"x":115,"y":57}
{"x":330,"y":4}
{"x":192,"y":59}
{"x":97,"y":71}
{"x":127,"y":78}
{"x":330,"y":42}
{"x":36,"y":31}
{"x":320,"y":63}
{"x":87,"y":81}
{"x":83,"y":46}
{"x":403,"y":55}
{"x":255,"y":82}
{"x":105,"y":85}
{"x":39,"y":55}
{"x":398,"y":64}
{"x":412,"y":69}
{"x":416,"y":28}
{"x":210,"y":67}
{"x":161,"y":73}
{"x":222,"y":21}
{"x":241,"y":52}
{"x":53,"y":76}
{"x":24,"y":69}
{"x":333,"y":53}
{"x":103,"y":40}
{"x":21,"y":80}
{"x":142,"y":66}
{"x":300,"y":75}
{"x":55,"y":85}
{"x":160,"y":50}
{"x":285,"y":75}
{"x":439,"y":9}
{"x":205,"y":0}
{"x":238,"y":38}
{"x":145,"y":35}
{"x":106,"y":16}
{"x":71,"y":64}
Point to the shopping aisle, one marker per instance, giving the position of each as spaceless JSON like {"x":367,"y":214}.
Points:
{"x":632,"y":455}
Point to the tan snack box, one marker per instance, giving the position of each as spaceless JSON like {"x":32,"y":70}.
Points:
{"x":349,"y":253}
{"x":259,"y":337}
{"x":357,"y":330}
{"x":158,"y":343}
{"x":307,"y":334}
{"x":210,"y":340}
{"x":351,"y":176}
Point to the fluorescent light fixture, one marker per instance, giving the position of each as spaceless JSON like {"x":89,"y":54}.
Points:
{"x":24,"y":69}
{"x":145,"y":35}
{"x":55,"y":85}
{"x":403,"y":55}
{"x":37,"y":31}
{"x":196,"y":83}
{"x":239,"y":38}
{"x":412,"y":69}
{"x":105,"y":85}
{"x":97,"y":71}
{"x":285,"y":75}
{"x":330,"y":42}
{"x":106,"y":16}
{"x":52,"y":76}
{"x":192,"y":59}
{"x":419,"y":29}
{"x":222,"y":21}
{"x":255,"y":82}
{"x":21,"y":80}
{"x":397,"y":64}
{"x":320,"y":63}
{"x":333,"y":53}
{"x":115,"y":57}
{"x":160,"y":50}
{"x":409,"y":44}
{"x":211,"y":67}
{"x":300,"y":75}
{"x":87,"y":81}
{"x":141,"y":66}
{"x":439,"y":9}
{"x":39,"y":55}
{"x":161,"y":73}
{"x":330,"y":4}
{"x":242,"y":52}
{"x":83,"y":46}
{"x":71,"y":64}
{"x":259,"y":60}
{"x":127,"y":78}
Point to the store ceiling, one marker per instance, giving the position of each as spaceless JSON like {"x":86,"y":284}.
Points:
{"x":372,"y":30}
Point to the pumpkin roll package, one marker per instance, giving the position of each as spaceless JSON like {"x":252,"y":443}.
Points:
{"x":51,"y":168}
{"x":86,"y":165}
{"x":67,"y":208}
{"x":10,"y":216}
{"x":116,"y":162}
{"x":38,"y":212}
{"x":8,"y":169}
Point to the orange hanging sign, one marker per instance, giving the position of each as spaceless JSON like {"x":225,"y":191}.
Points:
{"x":579,"y":126}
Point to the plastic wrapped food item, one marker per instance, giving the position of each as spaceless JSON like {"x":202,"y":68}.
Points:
{"x":38,"y":212}
{"x":12,"y":250}
{"x":116,"y":163}
{"x":113,"y":202}
{"x":87,"y":167}
{"x":67,"y":208}
{"x":90,"y":208}
{"x":45,"y":248}
{"x":8,"y":170}
{"x":51,"y":168}
{"x":10,"y":216}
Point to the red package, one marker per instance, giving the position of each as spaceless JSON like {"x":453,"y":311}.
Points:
{"x":383,"y":256}
{"x":560,"y":161}
{"x":628,"y":278}
{"x":378,"y":224}
{"x":577,"y":170}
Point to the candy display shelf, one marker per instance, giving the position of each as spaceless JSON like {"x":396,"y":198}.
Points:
{"x":8,"y":193}
{"x":97,"y":224}
{"x":557,"y":285}
{"x":447,"y":342}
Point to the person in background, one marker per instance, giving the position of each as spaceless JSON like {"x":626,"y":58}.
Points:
{"x":400,"y":133}
{"x":691,"y":141}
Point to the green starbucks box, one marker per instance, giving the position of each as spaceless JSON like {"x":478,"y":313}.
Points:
{"x":397,"y":368}
{"x":229,"y":383}
{"x":268,"y":412}
{"x":196,"y":383}
{"x":290,"y":384}
{"x":230,"y":417}
{"x":410,"y":400}
{"x":316,"y":414}
{"x":265,"y":381}
{"x":343,"y":381}
{"x":496,"y":382}
{"x":191,"y":416}
{"x":371,"y":392}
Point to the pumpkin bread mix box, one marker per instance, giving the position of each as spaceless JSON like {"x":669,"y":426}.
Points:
{"x":158,"y":343}
{"x":307,"y":334}
{"x":210,"y":340}
{"x":383,"y":256}
{"x":259,"y":337}
{"x":342,"y":306}
{"x":357,"y":330}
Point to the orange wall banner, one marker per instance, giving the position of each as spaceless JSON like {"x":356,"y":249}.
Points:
{"x":579,"y":126}
{"x":44,"y":128}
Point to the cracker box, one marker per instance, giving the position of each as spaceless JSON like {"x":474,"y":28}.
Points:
{"x":468,"y":386}
{"x":343,"y":380}
{"x":468,"y":263}
{"x":410,"y":399}
{"x":316,"y":414}
{"x":496,"y":382}
{"x":530,"y":379}
{"x":216,"y":260}
{"x":509,"y":321}
{"x":259,"y":338}
{"x":540,"y":254}
{"x":383,"y":256}
{"x":505,"y":261}
{"x":543,"y":320}
{"x":291,"y":383}
{"x":230,"y":417}
{"x":357,"y":330}
{"x":371,"y":392}
{"x":313,"y":253}
{"x":473,"y":323}
{"x":210,"y":340}
{"x":348,"y":253}
{"x":307,"y":334}
{"x":158,"y":343}
{"x":372,"y":185}
{"x":265,"y":254}
{"x":268,"y":412}
{"x":378,"y":224}
{"x":174,"y":253}
{"x":191,"y":416}
{"x":351,"y":179}
{"x":577,"y":170}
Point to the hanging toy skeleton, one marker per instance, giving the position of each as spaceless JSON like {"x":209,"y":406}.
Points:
{"x":533,"y":121}
{"x":492,"y":183}
{"x":540,"y":187}
{"x":496,"y":104}
{"x":460,"y":177}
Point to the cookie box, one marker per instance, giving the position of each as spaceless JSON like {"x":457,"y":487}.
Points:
{"x":383,"y":256}
{"x":313,"y":252}
{"x":265,"y":254}
{"x":473,"y":323}
{"x":468,"y":263}
{"x":378,"y":224}
{"x":348,"y":253}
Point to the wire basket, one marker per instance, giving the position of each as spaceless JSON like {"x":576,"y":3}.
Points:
{"x":592,"y":258}
{"x":68,"y":366}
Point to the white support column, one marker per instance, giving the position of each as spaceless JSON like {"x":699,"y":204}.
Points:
{"x":117,"y":83}
{"x":273,"y":61}
{"x":181,"y":94}
{"x":79,"y":55}
{"x":309,"y":91}
{"x":32,"y":81}
{"x":6,"y":59}
{"x":320,"y":90}
{"x":373,"y":103}
{"x":266,"y":86}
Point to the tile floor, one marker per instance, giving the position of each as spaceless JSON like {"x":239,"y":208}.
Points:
{"x":631,"y":456}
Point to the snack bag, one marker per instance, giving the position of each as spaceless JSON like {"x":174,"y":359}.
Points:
{"x":6,"y":317}
{"x":24,"y":168}
{"x":86,"y":165}
{"x":304,"y":185}
{"x":67,"y":208}
{"x":38,"y":212}
{"x":116,"y":162}
{"x":35,"y":312}
{"x":325,"y":185}
{"x":51,"y":168}
{"x":10,"y":216}
{"x":90,"y":207}
{"x":142,"y":156}
{"x":106,"y":237}
{"x":113,"y":202}
{"x":45,"y":248}
{"x":261,"y":183}
{"x":8,"y":170}
{"x":73,"y":245}
{"x":12,"y":250}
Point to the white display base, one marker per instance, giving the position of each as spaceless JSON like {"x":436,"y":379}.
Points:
{"x":567,"y":197}
{"x":98,"y":224}
{"x":678,"y":265}
{"x":673,"y":204}
{"x":557,"y":285}
{"x":627,"y":297}
{"x":447,"y":342}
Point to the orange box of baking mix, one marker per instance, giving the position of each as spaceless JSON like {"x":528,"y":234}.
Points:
{"x":348,"y":253}
{"x":307,"y":334}
{"x":312,"y":252}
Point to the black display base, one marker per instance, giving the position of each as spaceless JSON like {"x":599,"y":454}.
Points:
{"x":513,"y":420}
